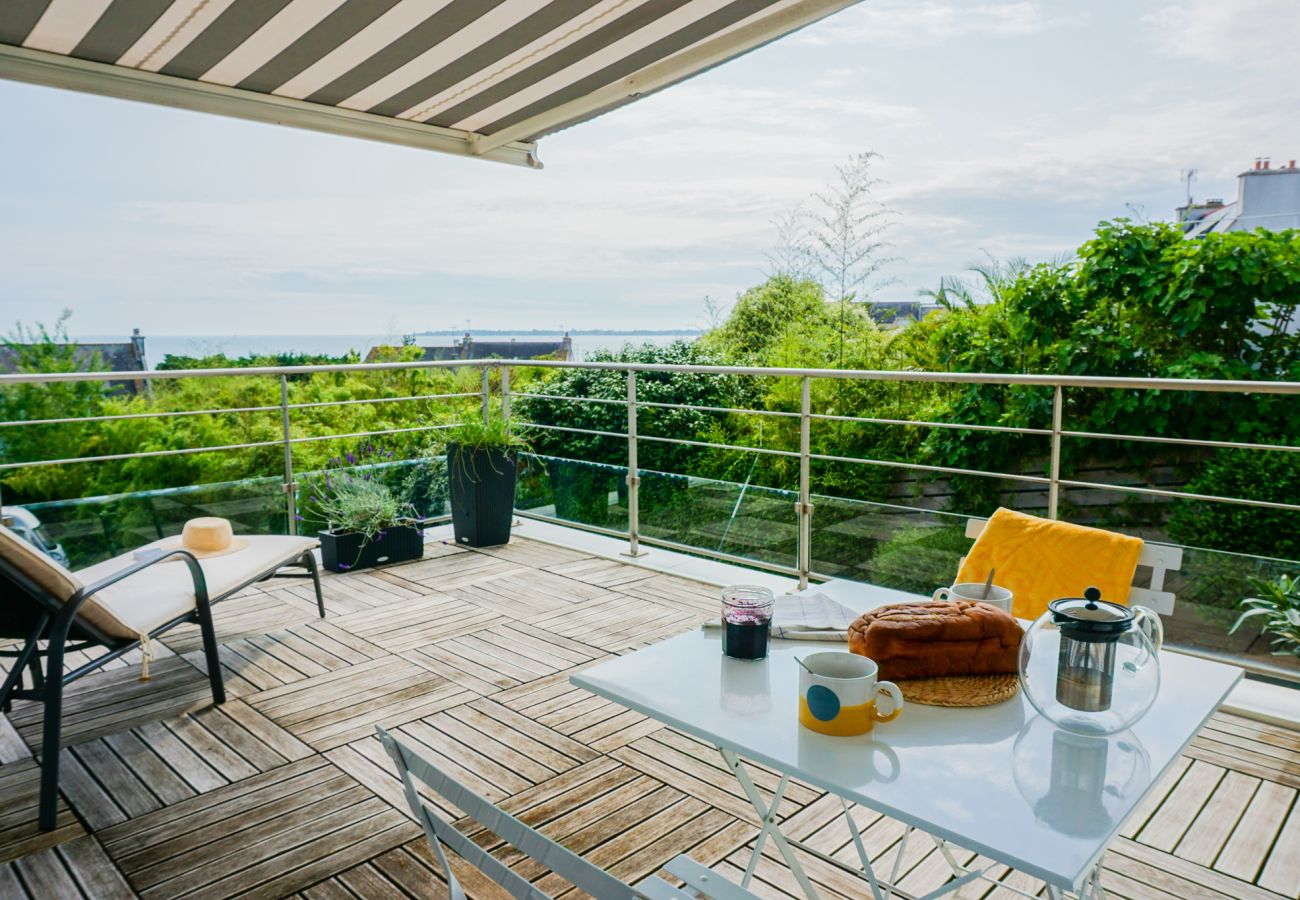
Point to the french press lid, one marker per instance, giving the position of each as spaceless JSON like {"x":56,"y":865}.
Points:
{"x":1089,"y":618}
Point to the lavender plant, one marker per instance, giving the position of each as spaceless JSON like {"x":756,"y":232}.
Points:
{"x":351,"y":499}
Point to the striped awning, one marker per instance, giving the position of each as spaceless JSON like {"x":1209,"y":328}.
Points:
{"x":476,"y":77}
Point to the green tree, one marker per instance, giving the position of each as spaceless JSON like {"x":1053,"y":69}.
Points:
{"x":46,"y":350}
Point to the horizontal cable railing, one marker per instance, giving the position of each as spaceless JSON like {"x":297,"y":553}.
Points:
{"x":805,"y":416}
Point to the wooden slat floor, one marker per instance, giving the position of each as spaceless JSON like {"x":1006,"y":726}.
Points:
{"x":285,"y":791}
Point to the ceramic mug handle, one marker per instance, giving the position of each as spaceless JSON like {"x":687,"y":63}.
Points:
{"x":941,"y":595}
{"x":890,"y":690}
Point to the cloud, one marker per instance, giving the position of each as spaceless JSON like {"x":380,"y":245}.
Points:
{"x":1245,"y":33}
{"x":902,"y":23}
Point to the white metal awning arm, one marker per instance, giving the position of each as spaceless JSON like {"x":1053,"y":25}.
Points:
{"x":681,"y":65}
{"x":56,"y":70}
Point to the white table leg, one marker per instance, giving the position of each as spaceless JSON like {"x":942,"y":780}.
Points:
{"x":1090,"y":889}
{"x":767,"y":815}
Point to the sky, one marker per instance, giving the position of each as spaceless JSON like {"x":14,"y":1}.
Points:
{"x":1004,"y":128}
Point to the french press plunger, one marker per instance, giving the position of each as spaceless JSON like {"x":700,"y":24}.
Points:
{"x":1092,"y":665}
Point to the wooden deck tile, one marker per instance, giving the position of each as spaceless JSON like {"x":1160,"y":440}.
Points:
{"x":260,"y":662}
{"x":407,"y":624}
{"x":1246,"y":850}
{"x":502,"y":656}
{"x":606,"y":573}
{"x":465,"y":568}
{"x":253,"y":613}
{"x":1282,"y":871}
{"x":534,"y":554}
{"x":332,"y":709}
{"x":269,"y":835}
{"x":689,"y":765}
{"x":127,"y":774}
{"x":681,"y":593}
{"x":78,"y":868}
{"x":19,"y":792}
{"x":117,"y":700}
{"x":617,"y":623}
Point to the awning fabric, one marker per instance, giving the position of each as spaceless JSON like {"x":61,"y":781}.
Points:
{"x":477,"y":77}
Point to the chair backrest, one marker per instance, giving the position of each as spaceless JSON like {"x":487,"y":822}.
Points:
{"x":558,"y":859}
{"x":1159,"y":558}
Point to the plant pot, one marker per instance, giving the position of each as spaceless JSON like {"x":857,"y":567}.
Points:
{"x":482,"y":486}
{"x":349,"y":551}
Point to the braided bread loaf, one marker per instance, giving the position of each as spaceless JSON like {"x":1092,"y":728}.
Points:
{"x":934,"y":638}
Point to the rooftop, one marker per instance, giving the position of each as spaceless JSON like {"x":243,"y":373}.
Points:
{"x":467,"y":654}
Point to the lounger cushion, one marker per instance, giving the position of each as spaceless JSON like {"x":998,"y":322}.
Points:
{"x":160,"y":593}
{"x":52,"y":577}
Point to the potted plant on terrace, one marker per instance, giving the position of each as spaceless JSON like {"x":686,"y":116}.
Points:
{"x":482,"y":468}
{"x":366,"y":525}
{"x":1278,"y":604}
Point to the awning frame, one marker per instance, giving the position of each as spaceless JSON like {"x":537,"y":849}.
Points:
{"x":70,"y":73}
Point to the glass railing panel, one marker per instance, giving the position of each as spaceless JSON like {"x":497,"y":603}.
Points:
{"x":92,"y":529}
{"x":571,"y":490}
{"x":891,"y":545}
{"x":747,"y":521}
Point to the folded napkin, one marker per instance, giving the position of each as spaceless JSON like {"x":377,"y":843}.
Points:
{"x":1040,"y":560}
{"x":806,"y":617}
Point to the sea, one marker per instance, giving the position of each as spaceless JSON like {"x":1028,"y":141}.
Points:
{"x":236,"y":345}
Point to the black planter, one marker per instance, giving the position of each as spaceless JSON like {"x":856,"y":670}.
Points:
{"x":482,"y":484}
{"x":350,"y":551}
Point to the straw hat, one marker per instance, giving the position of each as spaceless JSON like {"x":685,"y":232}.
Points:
{"x":206,"y":537}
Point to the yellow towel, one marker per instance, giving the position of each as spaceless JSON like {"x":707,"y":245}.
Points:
{"x":1040,"y":560}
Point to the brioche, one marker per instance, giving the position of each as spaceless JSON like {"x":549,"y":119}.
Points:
{"x":935,"y":639}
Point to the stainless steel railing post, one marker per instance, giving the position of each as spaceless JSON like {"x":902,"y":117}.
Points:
{"x":633,"y":477}
{"x":486,"y":390}
{"x":804,"y":507}
{"x":290,"y":487}
{"x":505,"y":394}
{"x":1054,"y":474}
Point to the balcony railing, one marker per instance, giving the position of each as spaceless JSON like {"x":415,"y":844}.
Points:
{"x":801,"y":500}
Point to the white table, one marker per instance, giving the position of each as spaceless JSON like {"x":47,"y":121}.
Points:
{"x":999,"y":780}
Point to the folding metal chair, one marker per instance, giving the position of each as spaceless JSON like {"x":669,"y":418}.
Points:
{"x":699,"y":881}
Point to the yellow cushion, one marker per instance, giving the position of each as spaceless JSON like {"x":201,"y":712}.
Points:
{"x":1041,"y":560}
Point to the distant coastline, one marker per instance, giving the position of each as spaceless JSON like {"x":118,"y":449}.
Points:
{"x":545,"y":332}
{"x":585,"y":341}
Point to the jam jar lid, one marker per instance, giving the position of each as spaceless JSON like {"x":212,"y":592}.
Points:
{"x":748,"y":596}
{"x":1089,"y":617}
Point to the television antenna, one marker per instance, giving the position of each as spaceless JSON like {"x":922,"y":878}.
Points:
{"x":1187,"y":176}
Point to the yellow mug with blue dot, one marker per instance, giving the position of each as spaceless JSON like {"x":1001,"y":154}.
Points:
{"x":839,"y":694}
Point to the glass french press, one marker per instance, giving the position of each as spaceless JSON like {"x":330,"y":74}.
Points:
{"x":1090,"y":665}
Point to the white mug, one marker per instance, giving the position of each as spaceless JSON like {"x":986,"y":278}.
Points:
{"x":974,"y":591}
{"x":838,"y":694}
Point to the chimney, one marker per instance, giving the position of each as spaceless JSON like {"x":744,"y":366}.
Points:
{"x":137,"y":350}
{"x":1290,"y":164}
{"x":137,"y":347}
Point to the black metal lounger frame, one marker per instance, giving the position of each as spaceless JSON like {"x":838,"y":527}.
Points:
{"x":58,"y":625}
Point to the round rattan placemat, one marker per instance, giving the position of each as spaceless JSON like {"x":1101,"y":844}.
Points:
{"x":960,"y":690}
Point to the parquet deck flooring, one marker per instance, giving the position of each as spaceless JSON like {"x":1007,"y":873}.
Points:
{"x":285,"y":791}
